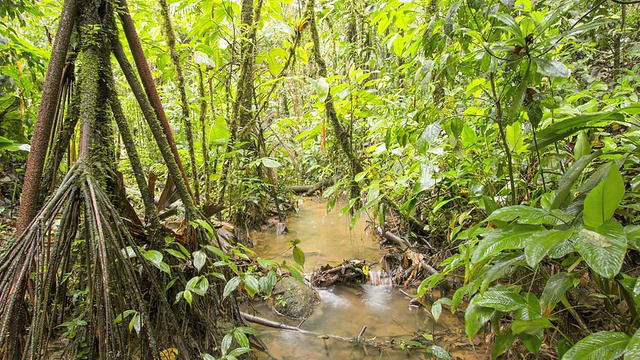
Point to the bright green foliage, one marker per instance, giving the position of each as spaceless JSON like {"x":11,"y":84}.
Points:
{"x":500,"y":131}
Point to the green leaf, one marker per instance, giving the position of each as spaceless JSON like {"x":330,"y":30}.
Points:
{"x":601,"y":345}
{"x":533,"y":343}
{"x":632,"y":351}
{"x":298,"y":255}
{"x":582,"y":146}
{"x":230,"y":286}
{"x":604,"y":199}
{"x":552,"y":68}
{"x":475,"y":317}
{"x":227,"y":340}
{"x":528,"y":215}
{"x":501,"y":300}
{"x":530,"y":327}
{"x":176,"y":253}
{"x":569,"y":178}
{"x":555,"y":288}
{"x":199,"y":259}
{"x":439,"y":352}
{"x":500,"y":240}
{"x":541,"y":242}
{"x":153,"y":256}
{"x":450,"y":18}
{"x":252,"y":285}
{"x":188,"y":296}
{"x":503,"y":343}
{"x":322,"y":89}
{"x":603,"y":248}
{"x":270,"y":163}
{"x":511,"y":26}
{"x":567,"y":127}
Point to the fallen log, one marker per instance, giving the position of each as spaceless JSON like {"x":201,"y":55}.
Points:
{"x":307,"y":190}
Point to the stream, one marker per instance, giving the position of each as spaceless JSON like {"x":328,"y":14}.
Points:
{"x":344,"y":310}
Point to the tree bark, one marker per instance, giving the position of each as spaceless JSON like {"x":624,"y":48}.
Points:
{"x":342,"y":135}
{"x":149,"y":86}
{"x":46,"y":113}
{"x":242,"y":117}
{"x":175,"y":58}
{"x":165,"y":143}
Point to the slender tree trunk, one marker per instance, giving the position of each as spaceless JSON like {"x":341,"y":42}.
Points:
{"x":241,"y":122}
{"x":151,"y":211}
{"x":175,"y":58}
{"x":46,"y":113}
{"x":342,"y":135}
{"x":149,"y":86}
{"x":203,"y":139}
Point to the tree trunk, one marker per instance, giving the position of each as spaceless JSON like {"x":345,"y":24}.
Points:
{"x":175,"y":58}
{"x":342,"y":135}
{"x":46,"y":113}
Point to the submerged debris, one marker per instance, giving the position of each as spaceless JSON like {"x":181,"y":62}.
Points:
{"x":349,"y":272}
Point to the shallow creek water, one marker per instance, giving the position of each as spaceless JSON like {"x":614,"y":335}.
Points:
{"x":327,"y":239}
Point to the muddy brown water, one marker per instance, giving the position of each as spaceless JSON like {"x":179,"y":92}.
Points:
{"x":384,"y":310}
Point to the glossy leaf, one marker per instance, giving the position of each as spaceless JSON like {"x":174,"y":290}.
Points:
{"x":567,"y":127}
{"x":541,"y":242}
{"x":475,"y":317}
{"x":632,"y":351}
{"x":603,"y":248}
{"x":597,"y":346}
{"x":555,"y":289}
{"x":504,"y":341}
{"x":231,"y":285}
{"x":528,"y":215}
{"x":501,"y":300}
{"x":199,"y":259}
{"x":500,"y":240}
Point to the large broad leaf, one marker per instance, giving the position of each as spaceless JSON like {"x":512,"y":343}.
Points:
{"x":500,"y":240}
{"x":555,"y":288}
{"x":552,"y":68}
{"x":529,"y":215}
{"x":542,"y":242}
{"x":603,"y":248}
{"x":598,"y":346}
{"x":501,"y":300}
{"x":604,"y":199}
{"x":633,"y":347}
{"x":563,"y":193}
{"x":568,"y":127}
{"x":475,"y":317}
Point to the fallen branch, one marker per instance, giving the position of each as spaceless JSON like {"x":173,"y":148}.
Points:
{"x":277,"y":325}
{"x":308,"y":190}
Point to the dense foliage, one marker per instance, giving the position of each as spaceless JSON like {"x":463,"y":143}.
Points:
{"x":502,"y":137}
